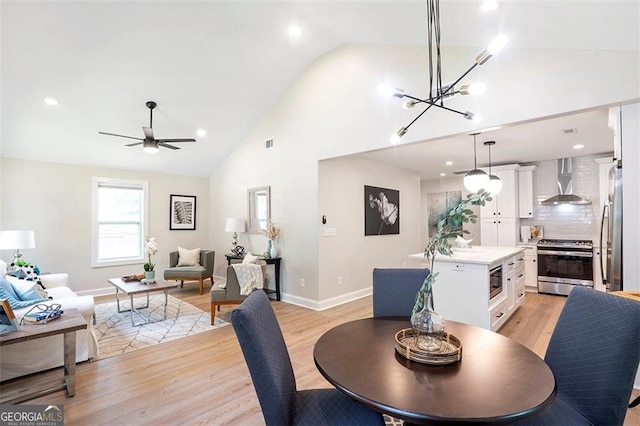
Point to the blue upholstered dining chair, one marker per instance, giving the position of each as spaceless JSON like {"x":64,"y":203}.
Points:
{"x":268,"y":360}
{"x":394,"y":290}
{"x":594,"y":353}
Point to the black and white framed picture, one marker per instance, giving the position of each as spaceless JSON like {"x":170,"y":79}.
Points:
{"x":381,"y":211}
{"x":182,"y":214}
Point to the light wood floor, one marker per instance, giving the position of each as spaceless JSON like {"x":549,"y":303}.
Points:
{"x":203,"y":379}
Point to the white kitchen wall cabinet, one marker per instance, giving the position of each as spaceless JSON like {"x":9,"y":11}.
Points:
{"x":525,"y":192}
{"x":505,"y":204}
{"x":499,"y":231}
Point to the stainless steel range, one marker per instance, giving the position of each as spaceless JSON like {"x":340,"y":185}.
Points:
{"x":563,"y":264}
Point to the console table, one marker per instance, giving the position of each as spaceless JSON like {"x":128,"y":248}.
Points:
{"x":68,"y":323}
{"x":275,"y":261}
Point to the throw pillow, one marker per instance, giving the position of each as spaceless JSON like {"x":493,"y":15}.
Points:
{"x":7,"y":292}
{"x":28,"y":290}
{"x":188,"y":257}
{"x":250,"y":258}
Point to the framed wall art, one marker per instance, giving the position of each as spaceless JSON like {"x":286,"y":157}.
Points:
{"x":182,"y":212}
{"x":381,"y":211}
{"x":439,"y":204}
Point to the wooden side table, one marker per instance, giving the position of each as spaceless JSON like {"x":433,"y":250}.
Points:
{"x":275,"y":261}
{"x":68,"y":323}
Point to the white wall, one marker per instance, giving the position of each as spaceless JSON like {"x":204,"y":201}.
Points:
{"x":55,"y":201}
{"x":631,"y":198}
{"x":334,"y":109}
{"x":346,"y":260}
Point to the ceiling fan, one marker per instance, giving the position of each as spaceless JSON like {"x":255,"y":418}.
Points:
{"x":149,"y":142}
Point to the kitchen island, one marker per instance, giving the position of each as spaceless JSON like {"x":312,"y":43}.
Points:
{"x":481,"y":286}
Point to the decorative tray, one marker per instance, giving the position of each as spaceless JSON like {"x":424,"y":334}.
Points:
{"x":451,"y":351}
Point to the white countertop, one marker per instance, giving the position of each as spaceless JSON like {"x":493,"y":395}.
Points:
{"x":477,"y":254}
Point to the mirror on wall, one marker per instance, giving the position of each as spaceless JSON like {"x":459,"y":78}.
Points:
{"x":259,"y":208}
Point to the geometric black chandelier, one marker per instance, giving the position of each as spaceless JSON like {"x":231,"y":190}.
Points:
{"x":437,"y":91}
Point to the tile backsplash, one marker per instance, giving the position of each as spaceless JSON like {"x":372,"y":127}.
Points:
{"x":566,"y":221}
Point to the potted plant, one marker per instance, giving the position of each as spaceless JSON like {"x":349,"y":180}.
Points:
{"x":150,"y":248}
{"x":428,"y":326}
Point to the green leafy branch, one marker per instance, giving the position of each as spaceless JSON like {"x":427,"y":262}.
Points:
{"x":440,"y":242}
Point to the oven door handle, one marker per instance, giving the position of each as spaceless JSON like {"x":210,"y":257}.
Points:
{"x":566,"y":253}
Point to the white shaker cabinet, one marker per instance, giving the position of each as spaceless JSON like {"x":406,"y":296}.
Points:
{"x":525,"y":192}
{"x":499,"y":231}
{"x":505,"y":204}
{"x":530,"y":266}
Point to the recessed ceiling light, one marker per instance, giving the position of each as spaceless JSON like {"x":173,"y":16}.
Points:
{"x":488,"y":5}
{"x":443,"y":174}
{"x":578,"y":146}
{"x":295,"y":31}
{"x":201,"y":132}
{"x":51,"y":101}
{"x":449,"y":163}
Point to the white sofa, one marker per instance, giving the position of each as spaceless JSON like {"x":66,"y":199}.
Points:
{"x":42,"y":354}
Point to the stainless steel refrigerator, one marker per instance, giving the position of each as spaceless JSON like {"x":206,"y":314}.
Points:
{"x":611,"y":232}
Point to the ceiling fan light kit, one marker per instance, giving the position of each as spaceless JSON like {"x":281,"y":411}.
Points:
{"x":440,"y":91}
{"x":149,"y":143}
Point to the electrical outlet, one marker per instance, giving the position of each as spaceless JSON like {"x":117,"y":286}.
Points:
{"x":301,"y":282}
{"x":339,"y":281}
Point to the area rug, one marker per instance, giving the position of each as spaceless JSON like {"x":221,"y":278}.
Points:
{"x":116,"y":335}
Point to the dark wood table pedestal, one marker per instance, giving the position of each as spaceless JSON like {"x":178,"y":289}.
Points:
{"x":498,"y":380}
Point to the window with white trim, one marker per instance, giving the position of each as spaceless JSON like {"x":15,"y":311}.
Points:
{"x":119,"y":222}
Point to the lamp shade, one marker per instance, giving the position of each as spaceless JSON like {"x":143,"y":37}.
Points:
{"x":12,"y":240}
{"x":494,"y":186}
{"x":476,"y":180}
{"x":234,"y":225}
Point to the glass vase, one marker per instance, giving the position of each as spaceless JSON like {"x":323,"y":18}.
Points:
{"x":273,"y":251}
{"x":428,"y":326}
{"x":269,"y":246}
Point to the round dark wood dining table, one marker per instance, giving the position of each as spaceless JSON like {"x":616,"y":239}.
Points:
{"x":498,"y":380}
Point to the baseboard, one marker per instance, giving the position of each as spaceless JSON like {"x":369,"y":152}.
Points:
{"x":328,"y":303}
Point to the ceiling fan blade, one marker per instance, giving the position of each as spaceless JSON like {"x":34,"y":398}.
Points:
{"x":134,"y":144}
{"x":166,"y":145}
{"x":176,"y":140}
{"x":120,"y":136}
{"x":148,"y":132}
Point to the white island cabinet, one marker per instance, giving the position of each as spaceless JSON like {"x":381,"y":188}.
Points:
{"x":462,"y":289}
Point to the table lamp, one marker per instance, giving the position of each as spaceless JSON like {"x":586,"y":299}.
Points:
{"x":17,"y":240}
{"x":234,"y":225}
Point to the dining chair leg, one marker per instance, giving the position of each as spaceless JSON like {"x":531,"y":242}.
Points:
{"x":635,"y":402}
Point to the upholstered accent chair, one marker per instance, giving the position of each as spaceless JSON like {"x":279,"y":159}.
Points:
{"x":395,"y":290}
{"x":198,"y":272}
{"x":270,"y":367}
{"x":230,"y":293}
{"x":594,"y":353}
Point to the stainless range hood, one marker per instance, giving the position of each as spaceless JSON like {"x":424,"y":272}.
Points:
{"x":565,"y":188}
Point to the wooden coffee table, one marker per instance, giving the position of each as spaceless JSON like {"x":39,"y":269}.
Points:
{"x":134,"y":288}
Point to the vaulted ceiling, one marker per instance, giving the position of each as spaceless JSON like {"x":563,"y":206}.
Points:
{"x":221,"y":65}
